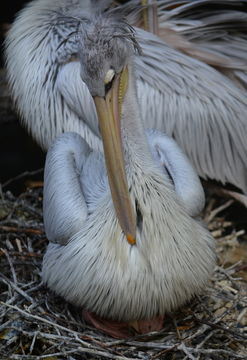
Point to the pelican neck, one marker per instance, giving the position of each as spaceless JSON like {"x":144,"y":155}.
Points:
{"x":134,"y":139}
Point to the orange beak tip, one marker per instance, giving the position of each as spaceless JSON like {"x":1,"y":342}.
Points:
{"x":131,"y":240}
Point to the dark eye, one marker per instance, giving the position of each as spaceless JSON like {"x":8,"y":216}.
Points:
{"x":109,"y":85}
{"x":73,"y":57}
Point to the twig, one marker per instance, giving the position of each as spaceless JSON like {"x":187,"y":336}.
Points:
{"x":21,"y":230}
{"x":16,"y":288}
{"x":74,"y":351}
{"x":233,"y":355}
{"x":5,"y":252}
{"x":22,"y":175}
{"x":216,"y":211}
{"x":89,"y":347}
{"x":23,"y":254}
{"x":33,"y":342}
{"x":217,"y":326}
{"x":186,"y":350}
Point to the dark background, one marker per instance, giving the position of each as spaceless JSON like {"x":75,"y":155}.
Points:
{"x":8,"y":11}
{"x":18,"y":152}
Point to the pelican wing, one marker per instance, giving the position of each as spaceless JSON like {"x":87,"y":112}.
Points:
{"x":65,"y":209}
{"x":186,"y":182}
{"x":211,"y":31}
{"x":201,"y":107}
{"x":78,"y":98}
{"x":38,"y":47}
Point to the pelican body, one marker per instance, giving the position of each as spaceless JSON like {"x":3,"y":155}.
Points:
{"x":126,"y":242}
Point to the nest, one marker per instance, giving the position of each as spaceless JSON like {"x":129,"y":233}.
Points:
{"x":37,"y":324}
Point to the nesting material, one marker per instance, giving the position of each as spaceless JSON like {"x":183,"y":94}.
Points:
{"x":36,"y":324}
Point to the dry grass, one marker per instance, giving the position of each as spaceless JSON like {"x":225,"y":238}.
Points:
{"x":36,"y":324}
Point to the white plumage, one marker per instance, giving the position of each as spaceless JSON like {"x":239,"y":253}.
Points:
{"x":200,"y":106}
{"x":89,"y":261}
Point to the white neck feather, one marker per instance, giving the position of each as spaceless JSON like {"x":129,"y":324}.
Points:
{"x":135,"y":144}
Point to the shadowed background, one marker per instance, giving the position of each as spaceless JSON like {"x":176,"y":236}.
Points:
{"x":18,"y":152}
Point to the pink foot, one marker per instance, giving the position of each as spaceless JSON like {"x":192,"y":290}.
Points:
{"x":146,"y":326}
{"x":123,"y":330}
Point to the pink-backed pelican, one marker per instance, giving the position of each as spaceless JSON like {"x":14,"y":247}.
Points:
{"x":126,"y":243}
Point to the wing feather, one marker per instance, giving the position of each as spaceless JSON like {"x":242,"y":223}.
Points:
{"x":198,"y":106}
{"x":65,"y":208}
{"x":186,"y":182}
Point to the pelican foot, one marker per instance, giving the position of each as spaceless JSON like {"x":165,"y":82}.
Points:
{"x":123,"y":330}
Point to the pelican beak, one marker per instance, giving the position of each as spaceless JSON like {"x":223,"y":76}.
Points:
{"x":109,"y":114}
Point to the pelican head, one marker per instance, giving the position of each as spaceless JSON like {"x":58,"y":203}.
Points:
{"x":107,"y":45}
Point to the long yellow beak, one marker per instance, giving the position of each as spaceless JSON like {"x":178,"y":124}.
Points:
{"x":109,"y":113}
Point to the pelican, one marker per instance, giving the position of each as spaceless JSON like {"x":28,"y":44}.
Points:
{"x":201,"y":106}
{"x":126,"y":243}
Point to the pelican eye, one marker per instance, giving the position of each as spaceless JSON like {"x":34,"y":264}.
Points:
{"x":110,"y":75}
